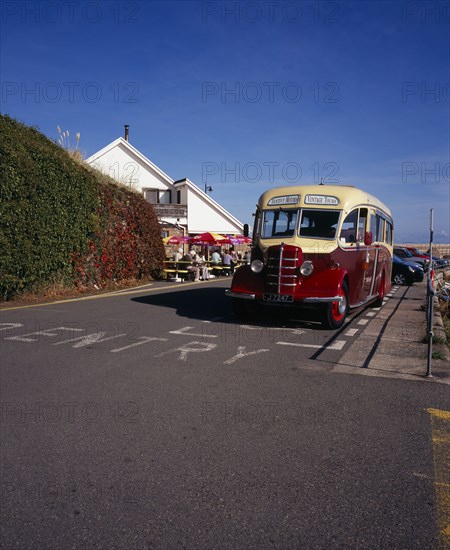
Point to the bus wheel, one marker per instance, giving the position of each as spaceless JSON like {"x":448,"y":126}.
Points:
{"x":336,"y":312}
{"x":379,"y":301}
{"x":245,"y":310}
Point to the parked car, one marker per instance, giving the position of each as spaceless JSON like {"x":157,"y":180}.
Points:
{"x":437,"y":262}
{"x":417,"y":252}
{"x":405,"y":254}
{"x":404,"y":273}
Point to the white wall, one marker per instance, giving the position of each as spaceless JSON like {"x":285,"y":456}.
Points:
{"x":202,"y":217}
{"x":123,"y":166}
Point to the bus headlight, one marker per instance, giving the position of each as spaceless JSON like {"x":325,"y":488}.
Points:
{"x":257,"y":266}
{"x":306,"y":269}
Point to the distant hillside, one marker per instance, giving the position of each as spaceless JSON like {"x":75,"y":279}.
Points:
{"x":62,"y":221}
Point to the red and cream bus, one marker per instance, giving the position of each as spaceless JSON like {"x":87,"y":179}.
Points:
{"x":327,"y":245}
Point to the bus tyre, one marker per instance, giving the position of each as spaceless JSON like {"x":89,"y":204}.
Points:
{"x":336,"y":312}
{"x":379,"y":301}
{"x":245,"y":310}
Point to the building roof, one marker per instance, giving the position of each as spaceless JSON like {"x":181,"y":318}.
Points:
{"x":124,"y":143}
{"x":185,"y":182}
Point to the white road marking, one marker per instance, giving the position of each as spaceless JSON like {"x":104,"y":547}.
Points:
{"x":144,"y":340}
{"x":371,"y":313}
{"x":9,"y":326}
{"x":49,"y":332}
{"x":184,"y":332}
{"x":240,"y":354}
{"x":351,"y":332}
{"x":293,"y":330}
{"x":88,"y":339}
{"x":337,"y":345}
{"x":185,"y":350}
{"x":362,"y":322}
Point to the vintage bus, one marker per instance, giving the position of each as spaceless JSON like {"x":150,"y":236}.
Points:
{"x":329,"y":246}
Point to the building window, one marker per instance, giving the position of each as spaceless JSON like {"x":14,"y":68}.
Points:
{"x":151,"y":195}
{"x":158,"y":196}
{"x":165,"y":197}
{"x":178,"y":197}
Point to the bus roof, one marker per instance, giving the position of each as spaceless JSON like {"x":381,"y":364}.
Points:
{"x":335,"y":197}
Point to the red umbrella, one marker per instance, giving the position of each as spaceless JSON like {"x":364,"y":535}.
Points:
{"x":175,"y":239}
{"x":210,"y":238}
{"x":239,"y":239}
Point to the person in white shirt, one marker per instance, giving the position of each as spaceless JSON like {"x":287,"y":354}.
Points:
{"x":191,"y":266}
{"x":215,"y":258}
{"x":204,"y":271}
{"x":178,"y":255}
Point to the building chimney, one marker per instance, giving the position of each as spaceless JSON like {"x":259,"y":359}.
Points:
{"x":127,"y":133}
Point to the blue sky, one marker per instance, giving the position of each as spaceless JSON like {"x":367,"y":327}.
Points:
{"x":243,"y":96}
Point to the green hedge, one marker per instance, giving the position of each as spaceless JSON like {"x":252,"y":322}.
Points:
{"x":59,"y":219}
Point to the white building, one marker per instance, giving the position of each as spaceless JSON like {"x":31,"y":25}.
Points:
{"x":178,"y":203}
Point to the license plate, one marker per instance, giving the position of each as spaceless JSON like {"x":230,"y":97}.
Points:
{"x":278,"y":298}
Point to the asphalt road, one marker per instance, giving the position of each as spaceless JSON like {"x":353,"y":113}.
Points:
{"x":152,"y":420}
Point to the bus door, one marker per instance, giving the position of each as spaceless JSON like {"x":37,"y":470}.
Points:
{"x":370,"y":256}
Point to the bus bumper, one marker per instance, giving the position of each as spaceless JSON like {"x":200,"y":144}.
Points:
{"x":242,"y":295}
{"x":309,"y":300}
{"x":323,"y":299}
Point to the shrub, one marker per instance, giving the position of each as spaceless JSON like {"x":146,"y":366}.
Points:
{"x":62,"y":219}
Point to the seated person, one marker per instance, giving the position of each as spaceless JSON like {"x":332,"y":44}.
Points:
{"x":201,"y":262}
{"x":178,"y":255}
{"x":227,"y":262}
{"x":191,"y":266}
{"x":215,"y":258}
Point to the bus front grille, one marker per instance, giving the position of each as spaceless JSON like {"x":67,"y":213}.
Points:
{"x":281,"y":269}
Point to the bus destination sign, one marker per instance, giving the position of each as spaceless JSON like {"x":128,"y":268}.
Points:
{"x":286,"y":199}
{"x":321,"y":199}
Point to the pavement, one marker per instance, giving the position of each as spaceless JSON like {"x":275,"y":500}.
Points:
{"x":392,"y":344}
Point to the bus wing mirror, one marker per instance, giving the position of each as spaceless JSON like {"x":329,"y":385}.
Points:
{"x":245,"y":229}
{"x":368,"y":238}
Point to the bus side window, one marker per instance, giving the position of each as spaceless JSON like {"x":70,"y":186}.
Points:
{"x":380,"y":229}
{"x":362,"y":224}
{"x":373,"y":226}
{"x":348,"y":229}
{"x":388,"y":233}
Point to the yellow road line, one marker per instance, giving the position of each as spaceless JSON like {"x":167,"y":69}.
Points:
{"x":440,"y":436}
{"x":122,"y":292}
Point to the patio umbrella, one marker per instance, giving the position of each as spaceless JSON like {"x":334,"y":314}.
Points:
{"x":210,"y":238}
{"x":175,"y":239}
{"x":239,"y":239}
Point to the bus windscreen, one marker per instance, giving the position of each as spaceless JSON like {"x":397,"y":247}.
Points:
{"x":319,"y":224}
{"x":279,"y":223}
